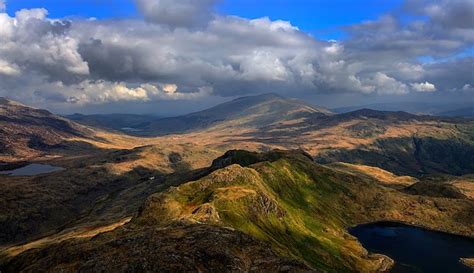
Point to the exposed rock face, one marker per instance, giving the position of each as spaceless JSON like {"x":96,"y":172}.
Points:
{"x":175,"y":158}
{"x":195,"y":248}
{"x":385,"y":263}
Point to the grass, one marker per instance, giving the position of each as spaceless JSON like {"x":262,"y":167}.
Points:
{"x":304,"y":209}
{"x":279,"y":202}
{"x":78,"y":232}
{"x":385,"y":177}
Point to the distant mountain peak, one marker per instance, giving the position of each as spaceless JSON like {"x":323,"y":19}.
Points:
{"x":270,"y":95}
{"x":5,"y":101}
{"x":371,"y":113}
{"x":8,"y":102}
{"x":251,"y":111}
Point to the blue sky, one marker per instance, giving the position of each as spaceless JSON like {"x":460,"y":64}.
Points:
{"x":321,"y":18}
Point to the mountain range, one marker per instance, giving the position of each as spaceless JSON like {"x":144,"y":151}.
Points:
{"x":260,"y":184}
{"x":255,"y":111}
{"x":461,"y":109}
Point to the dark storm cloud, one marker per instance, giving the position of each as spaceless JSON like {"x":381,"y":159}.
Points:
{"x":177,"y":13}
{"x":184,"y":51}
{"x":449,"y":14}
{"x":454,"y":75}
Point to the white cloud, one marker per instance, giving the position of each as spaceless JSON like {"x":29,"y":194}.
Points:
{"x":8,"y":69}
{"x":37,"y":44}
{"x":170,"y":88}
{"x":278,"y":25}
{"x":334,"y":49}
{"x":409,"y":70}
{"x":387,"y":85}
{"x":263,"y":65}
{"x":423,"y":87}
{"x":3,"y":5}
{"x":467,"y":87}
{"x":99,"y":92}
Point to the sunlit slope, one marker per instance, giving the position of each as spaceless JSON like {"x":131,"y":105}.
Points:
{"x":301,"y":208}
{"x":285,"y":205}
{"x":253,"y":111}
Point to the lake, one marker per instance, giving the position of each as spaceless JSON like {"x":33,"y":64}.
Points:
{"x":32,"y":169}
{"x":415,"y":249}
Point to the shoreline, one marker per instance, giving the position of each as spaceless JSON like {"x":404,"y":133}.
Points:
{"x":416,"y":225}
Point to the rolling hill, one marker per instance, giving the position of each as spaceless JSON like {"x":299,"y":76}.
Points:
{"x":460,"y":109}
{"x":119,"y":122}
{"x":252,"y":111}
{"x":467,"y":112}
{"x":287,"y":213}
{"x":255,"y":111}
{"x":400,"y":142}
{"x":121,"y":192}
{"x":26,"y":132}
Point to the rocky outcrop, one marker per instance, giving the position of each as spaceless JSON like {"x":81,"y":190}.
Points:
{"x":192,"y":248}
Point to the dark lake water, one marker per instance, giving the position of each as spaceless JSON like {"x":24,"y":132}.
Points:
{"x":415,"y":249}
{"x":32,"y":169}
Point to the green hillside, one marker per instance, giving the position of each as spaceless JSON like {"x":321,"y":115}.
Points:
{"x":289,"y":213}
{"x":301,"y":208}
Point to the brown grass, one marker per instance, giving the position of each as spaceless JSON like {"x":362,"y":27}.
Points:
{"x":468,"y":262}
{"x":79,"y":232}
{"x":465,"y":185}
{"x":382,"y":176}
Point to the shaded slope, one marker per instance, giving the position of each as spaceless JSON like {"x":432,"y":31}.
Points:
{"x":413,"y":156}
{"x":120,"y":122}
{"x":26,"y":131}
{"x":467,"y":112}
{"x":197,"y":248}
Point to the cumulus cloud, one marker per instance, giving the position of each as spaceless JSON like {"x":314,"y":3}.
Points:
{"x":468,"y":88}
{"x":170,"y":88}
{"x":182,"y":50}
{"x":8,"y":69}
{"x":423,"y":87}
{"x":36,"y":44}
{"x":98,"y":92}
{"x":388,"y":85}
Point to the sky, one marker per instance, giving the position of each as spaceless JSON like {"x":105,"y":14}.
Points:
{"x":176,"y":56}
